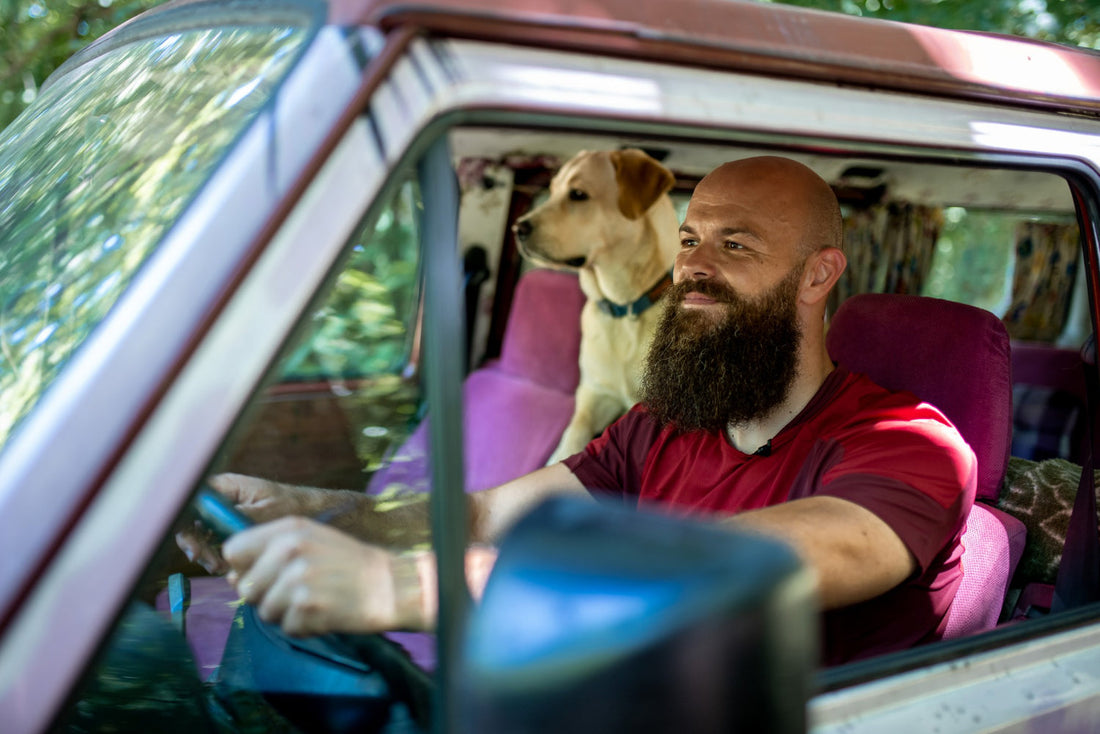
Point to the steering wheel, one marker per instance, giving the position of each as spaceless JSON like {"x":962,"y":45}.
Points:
{"x":373,"y":666}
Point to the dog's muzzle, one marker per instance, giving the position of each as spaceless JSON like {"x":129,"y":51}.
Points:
{"x":523,"y":230}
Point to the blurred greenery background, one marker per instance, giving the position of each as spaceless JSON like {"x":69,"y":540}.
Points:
{"x":37,"y":35}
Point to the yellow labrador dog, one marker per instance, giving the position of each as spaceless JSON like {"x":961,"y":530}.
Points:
{"x":610,"y":217}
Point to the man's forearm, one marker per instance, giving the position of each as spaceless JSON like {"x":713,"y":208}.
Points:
{"x":400,"y":520}
{"x":495,"y":510}
{"x":853,"y":554}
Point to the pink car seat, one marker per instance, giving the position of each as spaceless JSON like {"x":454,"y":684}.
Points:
{"x":515,"y":407}
{"x":955,"y":357}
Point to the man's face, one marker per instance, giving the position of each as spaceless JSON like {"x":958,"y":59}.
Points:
{"x":727,"y":364}
{"x":727,"y":349}
{"x":741,"y":230}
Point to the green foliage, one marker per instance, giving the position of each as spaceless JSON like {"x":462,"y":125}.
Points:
{"x":362,"y":328}
{"x":36,"y":36}
{"x":359,"y":338}
{"x":973,"y":259}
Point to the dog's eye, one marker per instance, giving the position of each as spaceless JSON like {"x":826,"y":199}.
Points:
{"x":577,"y":195}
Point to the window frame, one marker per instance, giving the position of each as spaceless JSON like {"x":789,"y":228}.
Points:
{"x":943,"y":666}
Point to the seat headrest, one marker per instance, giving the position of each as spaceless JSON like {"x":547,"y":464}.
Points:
{"x":954,"y":356}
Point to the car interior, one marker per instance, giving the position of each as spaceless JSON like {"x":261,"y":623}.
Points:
{"x":962,"y":234}
{"x":964,"y":286}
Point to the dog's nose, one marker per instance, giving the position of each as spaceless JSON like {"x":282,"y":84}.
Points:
{"x":522,"y":229}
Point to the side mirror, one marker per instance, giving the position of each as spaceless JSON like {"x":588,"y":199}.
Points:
{"x":601,"y":619}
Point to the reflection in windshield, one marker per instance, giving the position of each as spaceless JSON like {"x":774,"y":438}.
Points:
{"x":94,"y":174}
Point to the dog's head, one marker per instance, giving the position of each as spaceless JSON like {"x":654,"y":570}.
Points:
{"x":597,"y":199}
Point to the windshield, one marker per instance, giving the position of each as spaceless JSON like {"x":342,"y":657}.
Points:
{"x":95,"y":173}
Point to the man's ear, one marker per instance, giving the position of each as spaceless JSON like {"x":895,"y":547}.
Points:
{"x":642,"y":180}
{"x":824,"y":268}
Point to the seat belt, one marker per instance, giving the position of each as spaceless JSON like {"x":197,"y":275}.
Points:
{"x":1078,"y":580}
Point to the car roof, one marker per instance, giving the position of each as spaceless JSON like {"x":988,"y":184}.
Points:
{"x":746,"y":36}
{"x":767,"y":38}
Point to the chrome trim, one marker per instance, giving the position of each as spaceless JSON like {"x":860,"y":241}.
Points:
{"x":1047,"y":684}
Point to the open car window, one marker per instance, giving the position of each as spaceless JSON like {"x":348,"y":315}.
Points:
{"x":1005,"y":240}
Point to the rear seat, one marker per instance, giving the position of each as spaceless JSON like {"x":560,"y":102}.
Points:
{"x":1049,"y":444}
{"x":1048,"y":402}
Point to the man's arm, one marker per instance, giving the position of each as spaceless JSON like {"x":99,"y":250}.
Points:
{"x":493,"y":511}
{"x":402,"y":520}
{"x":854,"y":554}
{"x":312,"y":579}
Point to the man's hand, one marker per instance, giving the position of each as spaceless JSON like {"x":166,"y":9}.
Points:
{"x":263,"y":499}
{"x":313,"y":579}
{"x":260,"y":499}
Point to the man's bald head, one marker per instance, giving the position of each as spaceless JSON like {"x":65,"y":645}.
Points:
{"x":782,"y":189}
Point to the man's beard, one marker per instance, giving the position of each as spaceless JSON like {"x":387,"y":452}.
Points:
{"x":707,"y":374}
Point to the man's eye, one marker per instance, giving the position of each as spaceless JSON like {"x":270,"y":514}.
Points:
{"x":577,"y":195}
{"x":688,"y":243}
{"x":731,"y":245}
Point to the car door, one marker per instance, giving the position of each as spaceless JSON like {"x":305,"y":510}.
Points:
{"x":191,"y":215}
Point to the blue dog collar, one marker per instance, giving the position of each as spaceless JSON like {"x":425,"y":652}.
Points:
{"x":638,"y":307}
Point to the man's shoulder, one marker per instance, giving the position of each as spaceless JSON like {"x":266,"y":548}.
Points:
{"x":859,"y":393}
{"x":860,"y":402}
{"x":890,"y":433}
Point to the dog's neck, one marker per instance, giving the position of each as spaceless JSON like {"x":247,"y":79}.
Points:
{"x":627,"y":280}
{"x":639,"y":305}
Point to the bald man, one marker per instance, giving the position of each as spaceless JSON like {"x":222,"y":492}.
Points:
{"x":744,"y":418}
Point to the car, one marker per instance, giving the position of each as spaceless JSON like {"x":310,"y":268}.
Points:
{"x":276,"y":238}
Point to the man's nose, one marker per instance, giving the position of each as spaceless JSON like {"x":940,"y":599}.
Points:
{"x":694,"y":263}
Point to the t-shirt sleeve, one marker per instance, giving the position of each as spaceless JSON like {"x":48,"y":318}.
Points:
{"x":613,"y":462}
{"x":918,"y":476}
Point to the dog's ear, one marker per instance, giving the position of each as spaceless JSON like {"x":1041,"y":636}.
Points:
{"x":642,"y":180}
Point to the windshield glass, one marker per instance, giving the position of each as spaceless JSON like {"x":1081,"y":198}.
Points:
{"x":94,"y":174}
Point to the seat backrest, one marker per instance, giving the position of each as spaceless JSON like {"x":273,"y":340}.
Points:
{"x":543,"y":338}
{"x":955,"y":357}
{"x":951,"y":355}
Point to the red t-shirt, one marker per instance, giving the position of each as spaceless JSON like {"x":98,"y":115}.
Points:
{"x":886,"y":451}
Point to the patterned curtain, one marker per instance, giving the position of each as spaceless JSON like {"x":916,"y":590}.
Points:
{"x":889,"y":248}
{"x":1046,"y":263}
